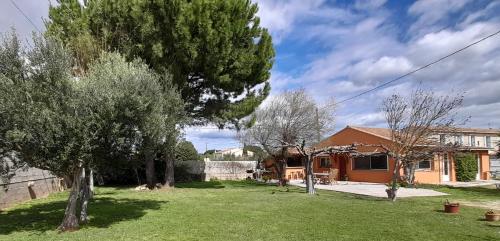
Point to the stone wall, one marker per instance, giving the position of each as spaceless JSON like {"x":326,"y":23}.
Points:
{"x":28,"y":184}
{"x":222,"y":170}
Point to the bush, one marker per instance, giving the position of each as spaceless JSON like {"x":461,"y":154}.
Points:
{"x":466,"y":167}
{"x":182,"y":175}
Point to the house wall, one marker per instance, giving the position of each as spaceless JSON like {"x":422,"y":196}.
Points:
{"x":28,"y":184}
{"x":349,"y":136}
{"x":432,"y":175}
{"x":484,"y":165}
{"x":222,"y":170}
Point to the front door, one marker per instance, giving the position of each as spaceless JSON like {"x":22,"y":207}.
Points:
{"x":342,"y":167}
{"x":446,"y":168}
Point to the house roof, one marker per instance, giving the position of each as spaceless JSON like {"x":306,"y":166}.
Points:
{"x":380,"y":132}
{"x":386,"y":133}
{"x":477,"y":130}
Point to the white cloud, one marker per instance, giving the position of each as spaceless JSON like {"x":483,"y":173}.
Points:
{"x":430,"y":13}
{"x":369,"y":52}
{"x":369,"y":4}
{"x":281,"y":17}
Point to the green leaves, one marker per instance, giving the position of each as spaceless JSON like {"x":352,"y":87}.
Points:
{"x":215,"y":49}
{"x":185,"y":151}
{"x":466,"y":167}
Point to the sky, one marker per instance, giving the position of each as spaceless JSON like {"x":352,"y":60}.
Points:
{"x":336,"y":49}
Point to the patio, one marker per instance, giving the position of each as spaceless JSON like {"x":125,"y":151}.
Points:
{"x":371,"y":189}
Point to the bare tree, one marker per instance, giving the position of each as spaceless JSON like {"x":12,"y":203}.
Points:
{"x":292,"y":120}
{"x":414,"y":122}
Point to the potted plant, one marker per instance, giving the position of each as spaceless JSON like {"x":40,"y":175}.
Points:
{"x":451,"y":207}
{"x":391,"y":193}
{"x":492,"y":216}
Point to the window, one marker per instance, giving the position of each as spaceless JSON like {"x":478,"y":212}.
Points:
{"x":362,"y":163}
{"x":472,"y":140}
{"x":293,"y":162}
{"x":424,"y":164}
{"x":379,"y":162}
{"x":325,"y":162}
{"x":442,"y":139}
{"x":488,"y":141}
{"x":375,"y":162}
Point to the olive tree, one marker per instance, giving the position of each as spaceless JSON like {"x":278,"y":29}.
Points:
{"x":43,"y":123}
{"x":142,"y":110}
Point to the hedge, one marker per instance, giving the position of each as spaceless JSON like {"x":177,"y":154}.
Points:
{"x":466,"y":167}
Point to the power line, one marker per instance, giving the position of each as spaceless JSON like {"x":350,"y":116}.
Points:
{"x":25,"y":16}
{"x":418,"y":69}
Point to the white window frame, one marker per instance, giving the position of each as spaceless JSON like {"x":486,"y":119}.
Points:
{"x":487,"y":141}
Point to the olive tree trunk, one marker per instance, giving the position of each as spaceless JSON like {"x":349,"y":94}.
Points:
{"x":91,"y":184}
{"x":169,"y":172}
{"x":280,"y":171}
{"x":70,"y":220}
{"x":149,"y":155}
{"x":150,"y":172}
{"x":84,"y":196}
{"x":309,"y":176}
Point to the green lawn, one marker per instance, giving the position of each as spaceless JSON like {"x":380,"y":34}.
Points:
{"x":249,"y":211}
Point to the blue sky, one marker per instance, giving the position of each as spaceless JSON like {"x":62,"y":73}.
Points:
{"x":336,"y":49}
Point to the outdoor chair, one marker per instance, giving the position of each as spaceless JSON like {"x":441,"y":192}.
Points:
{"x":332,"y":177}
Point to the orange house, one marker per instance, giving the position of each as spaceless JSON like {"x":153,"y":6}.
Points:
{"x":378,"y":166}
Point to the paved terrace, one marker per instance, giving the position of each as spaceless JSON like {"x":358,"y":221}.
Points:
{"x":371,"y":189}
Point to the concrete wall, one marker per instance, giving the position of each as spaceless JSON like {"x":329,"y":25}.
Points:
{"x":495,"y":163}
{"x":222,"y":170}
{"x":26,"y":185}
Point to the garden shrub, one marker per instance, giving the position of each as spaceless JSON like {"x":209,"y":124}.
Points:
{"x":181,"y":174}
{"x":466,"y":167}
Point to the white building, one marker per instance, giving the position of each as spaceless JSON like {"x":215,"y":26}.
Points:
{"x":237,"y":152}
{"x":474,"y":137}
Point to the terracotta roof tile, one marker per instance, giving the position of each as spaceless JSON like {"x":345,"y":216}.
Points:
{"x":380,"y":132}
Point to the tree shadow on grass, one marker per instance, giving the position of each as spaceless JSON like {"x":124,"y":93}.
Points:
{"x":201,"y":185}
{"x":222,"y":184}
{"x":103,"y":212}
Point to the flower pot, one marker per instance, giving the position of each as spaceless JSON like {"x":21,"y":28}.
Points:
{"x":451,"y":207}
{"x":489,"y":216}
{"x":390,"y":193}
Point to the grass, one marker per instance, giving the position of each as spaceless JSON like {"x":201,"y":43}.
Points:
{"x":250,"y":211}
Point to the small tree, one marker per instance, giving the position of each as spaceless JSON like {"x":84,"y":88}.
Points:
{"x":185,"y":151}
{"x":413,"y":121}
{"x":291,"y":120}
{"x":465,"y":167}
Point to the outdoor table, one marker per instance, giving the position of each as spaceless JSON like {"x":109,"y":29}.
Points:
{"x":321,"y":177}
